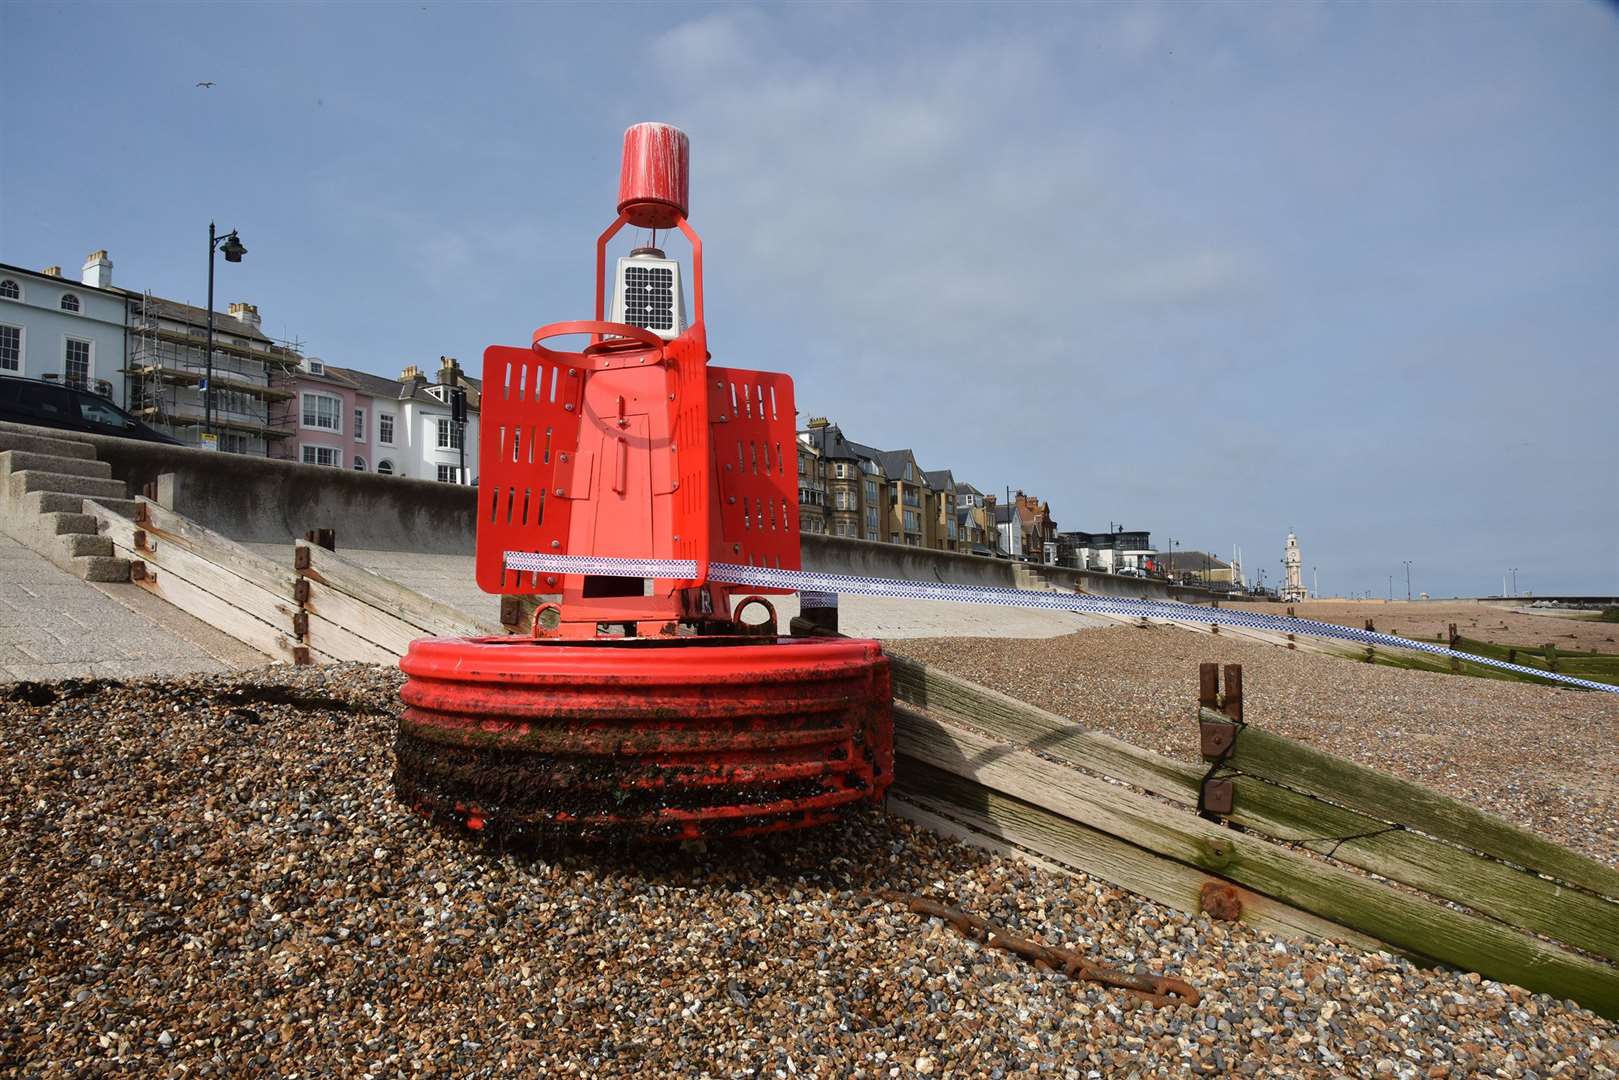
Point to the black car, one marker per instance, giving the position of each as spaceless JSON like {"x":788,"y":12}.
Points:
{"x":52,"y":405}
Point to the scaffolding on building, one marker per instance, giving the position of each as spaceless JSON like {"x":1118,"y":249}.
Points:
{"x":251,"y":388}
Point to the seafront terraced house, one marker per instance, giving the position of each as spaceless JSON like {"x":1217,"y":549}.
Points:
{"x":395,"y":427}
{"x":53,"y":329}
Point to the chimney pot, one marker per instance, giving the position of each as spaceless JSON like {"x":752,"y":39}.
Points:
{"x":52,"y":271}
{"x":97,"y":270}
{"x":247,"y":313}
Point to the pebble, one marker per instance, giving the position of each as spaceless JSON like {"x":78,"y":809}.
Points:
{"x":221,"y":951}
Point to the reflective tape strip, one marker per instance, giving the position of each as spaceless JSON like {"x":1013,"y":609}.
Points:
{"x":809,"y":598}
{"x":764,"y":577}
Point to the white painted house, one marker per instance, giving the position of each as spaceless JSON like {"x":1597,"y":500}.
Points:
{"x":59,"y":330}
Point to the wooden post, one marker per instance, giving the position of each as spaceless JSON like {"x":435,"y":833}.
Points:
{"x":1551,"y":656}
{"x":326,"y":538}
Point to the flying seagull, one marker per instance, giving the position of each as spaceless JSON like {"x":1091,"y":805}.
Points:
{"x":206,"y":85}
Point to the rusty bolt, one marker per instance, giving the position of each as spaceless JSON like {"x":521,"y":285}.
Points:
{"x":1217,"y":796}
{"x":573,"y":371}
{"x":556,"y":543}
{"x":300,"y":624}
{"x":550,"y":581}
{"x":1216,"y":739}
{"x":300,"y":590}
{"x":559,"y":493}
{"x":140,"y":538}
{"x":300,"y":559}
{"x":137,"y":570}
{"x":1220,"y":901}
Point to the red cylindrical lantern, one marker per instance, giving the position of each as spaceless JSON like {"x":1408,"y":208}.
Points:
{"x":654,"y":182}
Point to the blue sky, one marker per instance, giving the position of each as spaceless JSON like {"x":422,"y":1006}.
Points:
{"x":1212,"y":270}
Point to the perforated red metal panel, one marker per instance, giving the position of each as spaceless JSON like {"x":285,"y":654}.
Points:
{"x":530,"y":427}
{"x":753,"y":427}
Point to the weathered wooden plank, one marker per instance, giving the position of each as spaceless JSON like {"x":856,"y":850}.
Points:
{"x":406,"y":605}
{"x":338,"y":642}
{"x":180,"y":531}
{"x":1032,"y":727}
{"x":1164,"y":881}
{"x":1304,"y":768}
{"x":216,"y":612}
{"x":160,"y":552}
{"x":1405,"y":921}
{"x":1483,"y":884}
{"x":393,"y":636}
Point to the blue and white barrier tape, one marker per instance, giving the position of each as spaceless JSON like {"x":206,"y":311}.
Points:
{"x":764,"y":577}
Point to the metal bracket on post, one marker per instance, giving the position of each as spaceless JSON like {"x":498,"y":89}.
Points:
{"x":1217,"y":738}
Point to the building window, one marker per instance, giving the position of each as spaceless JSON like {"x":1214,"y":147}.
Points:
{"x":324,"y":412}
{"x":359,"y":425}
{"x":449,"y":436}
{"x":323,"y":455}
{"x":841,"y":470}
{"x":10,"y":290}
{"x":359,"y":463}
{"x":385,"y":431}
{"x":385,"y":467}
{"x":10,"y":348}
{"x":70,"y":302}
{"x":316,"y":367}
{"x":446,"y":474}
{"x":233,"y":442}
{"x":871,"y":492}
{"x":76,"y":362}
{"x":913,"y":521}
{"x":871,"y":523}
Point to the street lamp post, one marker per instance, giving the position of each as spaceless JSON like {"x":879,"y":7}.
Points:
{"x":1514,"y":581}
{"x":232,"y":246}
{"x":1407,"y":580}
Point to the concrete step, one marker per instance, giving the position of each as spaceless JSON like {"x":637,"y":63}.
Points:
{"x":30,"y":480}
{"x":17,"y":460}
{"x":122,"y":507}
{"x":73,"y":545}
{"x":101,"y":568}
{"x":17,"y":437}
{"x":51,"y":502}
{"x":67,"y":524}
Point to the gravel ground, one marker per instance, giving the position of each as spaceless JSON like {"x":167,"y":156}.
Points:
{"x":210,"y":876}
{"x":1543,"y":757}
{"x":1500,"y":623}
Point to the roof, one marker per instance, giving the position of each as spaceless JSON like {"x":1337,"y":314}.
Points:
{"x":967,"y":489}
{"x":829,"y":440}
{"x":893,"y":462}
{"x":10,"y":268}
{"x":940,"y":479}
{"x":198,"y":316}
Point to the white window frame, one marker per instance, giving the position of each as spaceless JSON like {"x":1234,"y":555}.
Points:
{"x":385,"y":467}
{"x":90,"y":363}
{"x":359,"y":464}
{"x":445,"y":432}
{"x":76,"y":309}
{"x":303,"y":401}
{"x":311,"y":454}
{"x":22,"y":350}
{"x":22,"y":294}
{"x":447,"y":474}
{"x":359,"y":425}
{"x":386,"y":438}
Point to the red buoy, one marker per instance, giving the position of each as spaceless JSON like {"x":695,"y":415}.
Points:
{"x":634,"y":705}
{"x":654,"y":181}
{"x":663,"y":738}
